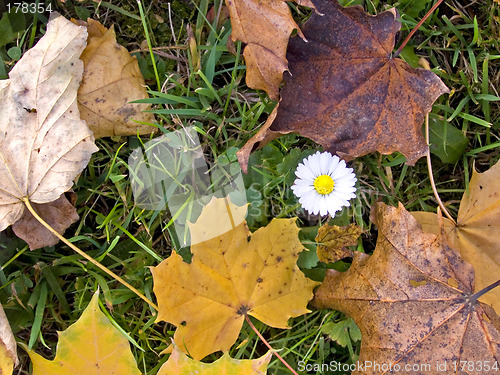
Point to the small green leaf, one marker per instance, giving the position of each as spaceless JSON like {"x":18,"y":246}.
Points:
{"x":14,"y":53}
{"x":83,"y":13}
{"x":447,"y":142}
{"x":342,"y":332}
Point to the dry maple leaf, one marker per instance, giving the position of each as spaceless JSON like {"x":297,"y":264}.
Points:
{"x":8,"y":347}
{"x":231,"y":275}
{"x":265,"y":27}
{"x":90,"y":346}
{"x":179,"y":364}
{"x":44,"y":144}
{"x":334,"y":242}
{"x":346,"y":92}
{"x":59,"y":214}
{"x":475,"y":235}
{"x":413,"y":302}
{"x":111,"y":80}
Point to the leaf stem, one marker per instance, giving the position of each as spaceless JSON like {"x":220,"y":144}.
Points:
{"x":85,"y":255}
{"x":405,"y":42}
{"x":475,"y":296}
{"x":269,"y":346}
{"x":431,"y":175}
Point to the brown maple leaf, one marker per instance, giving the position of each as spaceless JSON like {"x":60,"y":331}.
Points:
{"x":346,"y":92}
{"x":475,"y":235}
{"x":265,"y":27}
{"x":413,"y":302}
{"x":59,"y":214}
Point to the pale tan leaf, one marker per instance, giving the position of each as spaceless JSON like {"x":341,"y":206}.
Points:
{"x":8,"y":348}
{"x":44,"y":144}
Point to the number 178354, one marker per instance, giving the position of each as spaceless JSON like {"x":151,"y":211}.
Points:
{"x":29,"y":8}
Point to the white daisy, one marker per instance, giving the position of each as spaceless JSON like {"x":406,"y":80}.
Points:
{"x":324,"y":184}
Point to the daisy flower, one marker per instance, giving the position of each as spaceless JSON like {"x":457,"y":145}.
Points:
{"x":324,"y":184}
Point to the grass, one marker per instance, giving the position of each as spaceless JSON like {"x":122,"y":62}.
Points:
{"x":195,"y":81}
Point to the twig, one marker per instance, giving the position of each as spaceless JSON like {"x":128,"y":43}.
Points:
{"x":416,"y":28}
{"x":269,"y":346}
{"x":85,"y":255}
{"x":431,"y":176}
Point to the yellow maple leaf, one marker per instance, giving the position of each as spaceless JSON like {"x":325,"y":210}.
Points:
{"x":231,"y":275}
{"x":476,"y":233}
{"x":179,"y":364}
{"x":91,"y":346}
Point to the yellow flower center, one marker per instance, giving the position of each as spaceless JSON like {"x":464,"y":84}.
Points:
{"x":324,"y":184}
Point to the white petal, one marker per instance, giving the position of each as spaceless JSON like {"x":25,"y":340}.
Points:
{"x":312,"y":164}
{"x":345,"y":185}
{"x":334,"y":162}
{"x":325,"y":161}
{"x":307,"y":200}
{"x":304,"y":182}
{"x":304,"y":173}
{"x":300,"y":190}
{"x":317,"y":205}
{"x":340,"y":172}
{"x":323,"y":209}
{"x":345,"y":196}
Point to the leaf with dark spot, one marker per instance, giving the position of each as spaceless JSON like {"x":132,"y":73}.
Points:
{"x":412,"y":323}
{"x":214,"y":293}
{"x":111,"y":80}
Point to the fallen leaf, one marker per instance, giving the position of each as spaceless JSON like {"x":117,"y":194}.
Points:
{"x":231,"y":275}
{"x":44,"y":144}
{"x":111,"y":80}
{"x":179,"y":364}
{"x":8,"y":349}
{"x":90,"y":346}
{"x":59,"y":214}
{"x":434,"y":319}
{"x":335,"y":241}
{"x":346,"y":92}
{"x":476,"y":234}
{"x":265,"y":27}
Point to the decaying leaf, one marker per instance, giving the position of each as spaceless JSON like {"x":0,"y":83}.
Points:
{"x":179,"y":364}
{"x":111,"y":80}
{"x":346,"y":92}
{"x":265,"y":27}
{"x":90,"y":346}
{"x":231,"y":275}
{"x":413,"y":301}
{"x":476,"y":234}
{"x":44,"y":144}
{"x":335,"y":241}
{"x":8,"y":347}
{"x":59,"y":214}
